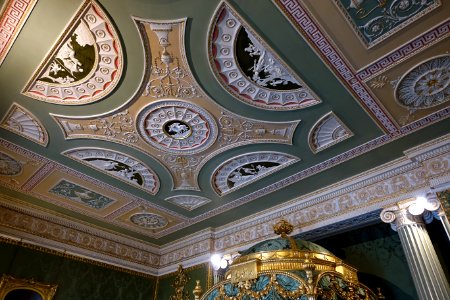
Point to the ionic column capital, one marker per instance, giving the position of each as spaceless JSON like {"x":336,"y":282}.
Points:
{"x":399,"y":217}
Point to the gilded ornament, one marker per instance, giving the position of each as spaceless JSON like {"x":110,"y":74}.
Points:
{"x":11,"y":287}
{"x":379,"y":82}
{"x":283,"y":228}
{"x":179,"y":284}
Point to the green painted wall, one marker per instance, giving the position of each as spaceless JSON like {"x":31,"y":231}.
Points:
{"x":374,"y":250}
{"x":165,"y":289}
{"x":76,"y":280}
{"x":377,"y":253}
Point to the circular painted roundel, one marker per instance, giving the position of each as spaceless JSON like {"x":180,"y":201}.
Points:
{"x":8,"y":165}
{"x":149,"y":220}
{"x":177,"y":127}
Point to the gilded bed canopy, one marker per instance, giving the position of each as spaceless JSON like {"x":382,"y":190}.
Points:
{"x":288,"y":268}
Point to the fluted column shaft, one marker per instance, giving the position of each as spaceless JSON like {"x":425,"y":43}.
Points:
{"x":426,"y":270}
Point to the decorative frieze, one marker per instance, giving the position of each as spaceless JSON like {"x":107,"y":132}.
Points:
{"x":76,"y":237}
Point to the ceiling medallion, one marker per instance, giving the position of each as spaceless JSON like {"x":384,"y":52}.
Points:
{"x":24,"y":123}
{"x":9,"y":166}
{"x":242,"y":170}
{"x":84,"y":66}
{"x":188,"y":202}
{"x":118,"y":165}
{"x":149,"y":220}
{"x":426,"y":85}
{"x":246,"y":66}
{"x":328,"y":131}
{"x":177,"y":127}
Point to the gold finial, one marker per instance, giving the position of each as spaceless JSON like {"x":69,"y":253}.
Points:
{"x":197,"y":290}
{"x":283,"y":228}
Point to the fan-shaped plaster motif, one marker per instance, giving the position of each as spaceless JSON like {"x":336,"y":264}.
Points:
{"x":22,"y":122}
{"x":426,"y":85}
{"x":86,"y":63}
{"x":246,"y":66}
{"x":328,"y":131}
{"x":245,"y":169}
{"x":188,"y":202}
{"x":149,"y":220}
{"x":9,"y":166}
{"x":177,"y":126}
{"x":118,"y":165}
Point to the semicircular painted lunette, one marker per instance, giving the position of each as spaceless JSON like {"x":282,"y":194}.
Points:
{"x":249,"y":69}
{"x":242,"y":170}
{"x":119,"y":165}
{"x":85,"y":64}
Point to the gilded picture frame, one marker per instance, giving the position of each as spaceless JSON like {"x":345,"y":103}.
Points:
{"x":9,"y":284}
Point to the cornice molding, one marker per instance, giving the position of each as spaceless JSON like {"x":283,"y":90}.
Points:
{"x":365,"y":194}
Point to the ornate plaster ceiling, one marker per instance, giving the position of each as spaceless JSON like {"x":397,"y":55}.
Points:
{"x":158,"y":119}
